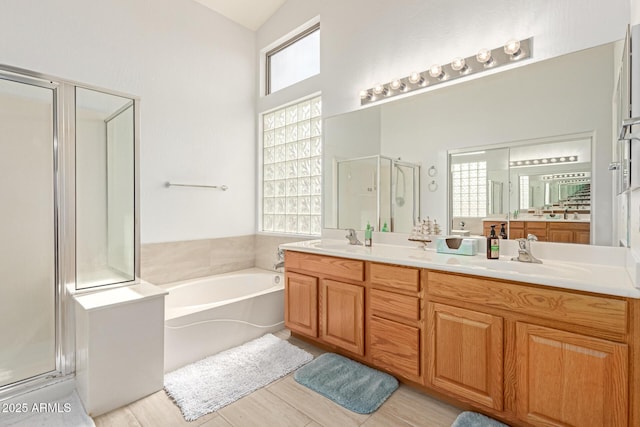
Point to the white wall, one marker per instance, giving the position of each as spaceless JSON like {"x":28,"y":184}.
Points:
{"x":194,"y":72}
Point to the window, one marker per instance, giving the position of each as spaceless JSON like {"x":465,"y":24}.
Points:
{"x":469,"y":189}
{"x":294,"y":60}
{"x":292,"y":169}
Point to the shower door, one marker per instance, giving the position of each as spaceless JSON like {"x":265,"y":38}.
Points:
{"x":27,"y":229}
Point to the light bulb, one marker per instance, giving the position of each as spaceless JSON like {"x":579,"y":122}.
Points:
{"x":459,"y":64}
{"x":397,"y":85}
{"x":378,"y":89}
{"x":512,"y":48}
{"x":416,"y":78}
{"x":365,"y":94}
{"x":484,"y":57}
{"x":436,"y":71}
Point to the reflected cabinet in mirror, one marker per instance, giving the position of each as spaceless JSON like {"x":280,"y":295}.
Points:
{"x":526,"y":113}
{"x":105,"y":176}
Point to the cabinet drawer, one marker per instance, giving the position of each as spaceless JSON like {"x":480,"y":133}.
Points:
{"x":603,"y":313}
{"x":395,"y":277}
{"x":395,"y":347}
{"x":326,"y":265}
{"x":390,"y":305}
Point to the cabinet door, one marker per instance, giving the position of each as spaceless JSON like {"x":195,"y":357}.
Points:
{"x":566,"y":379}
{"x":395,"y":347}
{"x":583,"y":237}
{"x":561,"y":236}
{"x":342,"y":315}
{"x":301,"y":304}
{"x":465,"y":354}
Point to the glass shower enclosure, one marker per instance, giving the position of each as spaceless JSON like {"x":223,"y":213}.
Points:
{"x":378,"y":190}
{"x":69,"y":217}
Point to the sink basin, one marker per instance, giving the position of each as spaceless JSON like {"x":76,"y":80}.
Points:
{"x":339,"y":246}
{"x":545,"y":269}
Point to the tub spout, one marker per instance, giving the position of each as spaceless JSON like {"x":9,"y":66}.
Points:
{"x":279,"y":261}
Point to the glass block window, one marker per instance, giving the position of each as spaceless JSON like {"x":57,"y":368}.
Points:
{"x":294,"y":60}
{"x":292,"y":169}
{"x":469,"y":189}
{"x":524,"y":192}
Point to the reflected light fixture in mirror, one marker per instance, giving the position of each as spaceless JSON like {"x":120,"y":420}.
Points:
{"x":513,"y":50}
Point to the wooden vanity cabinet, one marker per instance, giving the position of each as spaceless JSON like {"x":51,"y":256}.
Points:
{"x":342,"y":315}
{"x":324,"y":299}
{"x":301,"y":304}
{"x":465,"y":353}
{"x":395,"y":320}
{"x":546,"y":231}
{"x":570,"y":232}
{"x":567,"y":379}
{"x":533,"y":354}
{"x":527,"y":354}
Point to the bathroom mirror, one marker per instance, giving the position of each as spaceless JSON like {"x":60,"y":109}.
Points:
{"x":563,"y":96}
{"x":105,"y":177}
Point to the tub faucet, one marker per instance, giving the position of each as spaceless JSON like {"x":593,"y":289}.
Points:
{"x":353,"y":237}
{"x":524,"y":250}
{"x":280,"y":260}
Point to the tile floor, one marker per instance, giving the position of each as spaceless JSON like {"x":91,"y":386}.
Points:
{"x":285,"y":403}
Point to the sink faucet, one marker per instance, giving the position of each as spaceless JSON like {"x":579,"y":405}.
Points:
{"x":524,"y":250}
{"x":280,"y":260}
{"x":353,"y":237}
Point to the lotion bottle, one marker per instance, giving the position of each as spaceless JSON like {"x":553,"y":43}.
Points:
{"x":368,"y":234}
{"x":493,"y":244}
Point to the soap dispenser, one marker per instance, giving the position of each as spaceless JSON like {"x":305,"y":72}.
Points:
{"x":368,"y":234}
{"x":493,"y":244}
{"x":503,"y":232}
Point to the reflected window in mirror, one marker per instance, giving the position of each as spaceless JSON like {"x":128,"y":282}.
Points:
{"x":469,"y":189}
{"x":477,"y":180}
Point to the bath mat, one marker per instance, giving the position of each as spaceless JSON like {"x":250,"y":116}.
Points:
{"x":216,"y":381}
{"x":350,"y":384}
{"x":474,"y":419}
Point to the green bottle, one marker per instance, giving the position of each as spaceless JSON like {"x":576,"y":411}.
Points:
{"x":368,"y":234}
{"x":384,"y":227}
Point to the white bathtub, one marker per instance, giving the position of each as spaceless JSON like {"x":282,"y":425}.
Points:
{"x":207,"y":315}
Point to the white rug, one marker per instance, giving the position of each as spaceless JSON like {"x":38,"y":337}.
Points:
{"x":212,"y":383}
{"x":65,"y":412}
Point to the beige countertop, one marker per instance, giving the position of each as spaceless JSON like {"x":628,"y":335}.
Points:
{"x":600,"y":270}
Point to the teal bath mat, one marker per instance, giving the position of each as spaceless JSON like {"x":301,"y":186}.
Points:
{"x":473,"y":419}
{"x":350,"y":384}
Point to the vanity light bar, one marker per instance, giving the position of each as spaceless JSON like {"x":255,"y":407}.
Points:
{"x":567,"y":175}
{"x":544,"y":161}
{"x":485,"y":59}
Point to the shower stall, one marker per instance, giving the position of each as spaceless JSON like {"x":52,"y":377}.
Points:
{"x":378,"y":190}
{"x":69,"y":222}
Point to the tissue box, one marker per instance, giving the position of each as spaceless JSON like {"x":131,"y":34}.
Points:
{"x":456,"y":245}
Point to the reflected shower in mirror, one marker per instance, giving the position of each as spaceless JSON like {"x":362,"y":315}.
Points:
{"x":105,"y":176}
{"x":379,"y":191}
